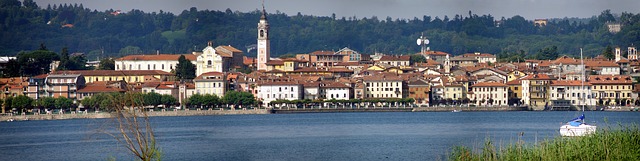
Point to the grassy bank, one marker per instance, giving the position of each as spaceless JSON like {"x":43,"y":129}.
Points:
{"x":608,"y":144}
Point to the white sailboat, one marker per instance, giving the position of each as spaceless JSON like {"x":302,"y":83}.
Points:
{"x":577,"y":126}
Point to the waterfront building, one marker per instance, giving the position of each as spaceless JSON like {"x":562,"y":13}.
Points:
{"x":63,"y":85}
{"x":383,"y":86}
{"x":611,"y":89}
{"x":572,"y":92}
{"x":489,"y":93}
{"x":515,"y":90}
{"x":213,"y":83}
{"x":420,"y":91}
{"x":335,"y":90}
{"x":97,"y":87}
{"x":287,"y":90}
{"x":535,"y":90}
{"x":454,"y":91}
{"x":311,"y":90}
{"x":13,"y":87}
{"x":163,"y":62}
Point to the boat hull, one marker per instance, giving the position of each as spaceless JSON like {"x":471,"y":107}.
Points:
{"x":581,"y":130}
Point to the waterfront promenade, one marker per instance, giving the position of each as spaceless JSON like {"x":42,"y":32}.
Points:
{"x":83,"y":115}
{"x":284,"y":110}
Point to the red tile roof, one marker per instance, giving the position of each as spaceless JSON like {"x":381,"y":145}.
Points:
{"x":395,"y":58}
{"x":436,"y":53}
{"x":569,"y":83}
{"x":538,"y":77}
{"x":489,"y":84}
{"x":152,"y":57}
{"x":610,"y":79}
{"x":515,"y":82}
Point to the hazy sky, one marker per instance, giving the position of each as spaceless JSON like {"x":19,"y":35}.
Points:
{"x":530,"y":9}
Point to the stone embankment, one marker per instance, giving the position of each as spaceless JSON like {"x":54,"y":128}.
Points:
{"x":465,"y":108}
{"x":93,"y":115}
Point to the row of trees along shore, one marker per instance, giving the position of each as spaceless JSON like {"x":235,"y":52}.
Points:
{"x":112,"y":33}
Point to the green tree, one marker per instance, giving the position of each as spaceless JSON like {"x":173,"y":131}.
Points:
{"x":239,"y":98}
{"x":152,"y":99}
{"x":36,"y":62}
{"x":417,"y":58}
{"x":63,"y":103}
{"x":21,"y":102}
{"x":65,"y":62}
{"x":168,"y":100}
{"x":12,"y":69}
{"x":608,"y":53}
{"x":107,"y":64}
{"x":130,"y":50}
{"x":47,"y":102}
{"x":196,"y":100}
{"x":185,"y":69}
{"x":7,"y":104}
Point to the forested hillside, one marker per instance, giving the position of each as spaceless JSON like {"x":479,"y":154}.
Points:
{"x":24,"y":26}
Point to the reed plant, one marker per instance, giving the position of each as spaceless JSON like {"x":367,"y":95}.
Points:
{"x":619,"y":144}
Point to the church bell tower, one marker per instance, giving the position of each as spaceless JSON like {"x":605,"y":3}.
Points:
{"x":263,"y":41}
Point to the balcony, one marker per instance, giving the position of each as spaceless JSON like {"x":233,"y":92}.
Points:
{"x":533,"y":96}
{"x":534,"y":90}
{"x":533,"y":83}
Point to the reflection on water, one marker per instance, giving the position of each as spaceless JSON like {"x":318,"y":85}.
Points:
{"x":314,"y":136}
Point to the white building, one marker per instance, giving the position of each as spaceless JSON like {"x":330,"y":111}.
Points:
{"x":394,"y":60}
{"x":335,"y":90}
{"x":482,"y":57}
{"x":490,"y":93}
{"x":164,"y":62}
{"x":213,"y":83}
{"x":311,"y":90}
{"x":270,"y":91}
{"x":573,"y":91}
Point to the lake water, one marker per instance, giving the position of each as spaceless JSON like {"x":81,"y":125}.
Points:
{"x":311,"y":136}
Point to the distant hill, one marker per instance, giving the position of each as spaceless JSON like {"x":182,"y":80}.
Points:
{"x":24,"y":26}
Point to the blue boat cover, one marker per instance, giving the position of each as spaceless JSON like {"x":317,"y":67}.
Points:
{"x":573,"y":123}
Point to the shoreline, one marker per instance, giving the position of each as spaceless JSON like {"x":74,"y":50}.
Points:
{"x":99,"y":115}
{"x":93,"y":115}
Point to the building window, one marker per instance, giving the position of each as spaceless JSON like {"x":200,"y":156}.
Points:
{"x":208,"y":62}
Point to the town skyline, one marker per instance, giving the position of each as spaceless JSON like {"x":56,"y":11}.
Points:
{"x":379,"y":8}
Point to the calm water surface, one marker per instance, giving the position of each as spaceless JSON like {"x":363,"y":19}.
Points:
{"x":314,"y":136}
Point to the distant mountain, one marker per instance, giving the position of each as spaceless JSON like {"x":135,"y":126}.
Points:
{"x":24,"y":26}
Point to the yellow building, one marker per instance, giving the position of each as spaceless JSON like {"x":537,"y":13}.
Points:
{"x":454,"y":91}
{"x":515,"y":89}
{"x":535,"y":90}
{"x":615,"y":89}
{"x":130,"y":76}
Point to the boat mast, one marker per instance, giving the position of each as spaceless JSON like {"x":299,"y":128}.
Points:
{"x":582,"y":83}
